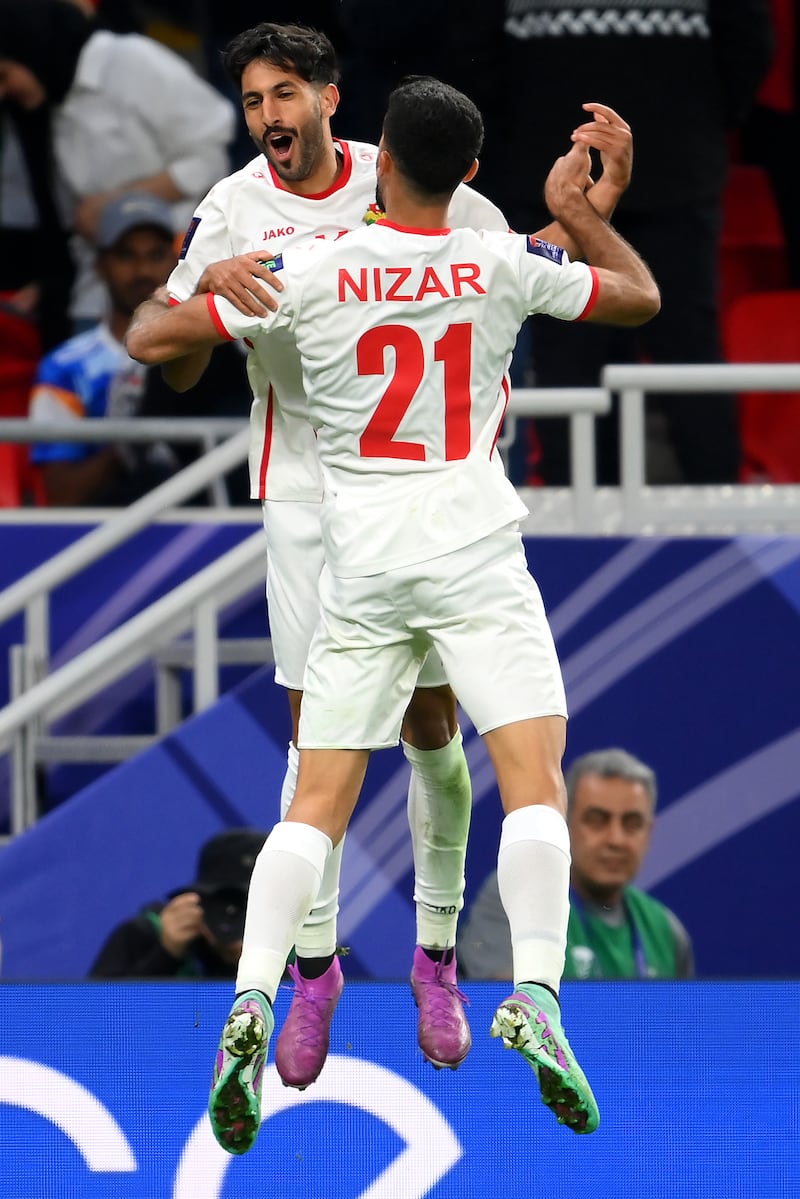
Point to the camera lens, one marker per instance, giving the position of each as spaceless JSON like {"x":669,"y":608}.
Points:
{"x":223,"y":913}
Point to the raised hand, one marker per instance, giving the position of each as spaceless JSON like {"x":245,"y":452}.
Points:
{"x":181,"y":923}
{"x":611,"y":136}
{"x":569,"y":179}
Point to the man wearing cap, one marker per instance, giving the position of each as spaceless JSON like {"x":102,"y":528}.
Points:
{"x":92,"y":375}
{"x":197,"y":933}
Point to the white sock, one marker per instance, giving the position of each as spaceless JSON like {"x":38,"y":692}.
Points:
{"x":284,"y":884}
{"x":317,"y":937}
{"x":533,"y":878}
{"x":439,"y":811}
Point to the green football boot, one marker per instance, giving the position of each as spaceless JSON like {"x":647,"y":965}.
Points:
{"x":530,"y":1022}
{"x":234,"y":1105}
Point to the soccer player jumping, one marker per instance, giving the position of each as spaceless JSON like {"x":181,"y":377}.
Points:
{"x":405,"y":332}
{"x":306,"y":183}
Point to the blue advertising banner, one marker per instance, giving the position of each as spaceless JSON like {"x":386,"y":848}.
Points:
{"x":104,"y":1090}
{"x":682,"y":650}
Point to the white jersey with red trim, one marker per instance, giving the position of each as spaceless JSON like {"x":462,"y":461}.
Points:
{"x":405,"y":338}
{"x":251,"y":210}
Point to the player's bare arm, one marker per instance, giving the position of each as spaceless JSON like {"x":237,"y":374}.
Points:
{"x":160,"y":332}
{"x":627,"y":292}
{"x":180,"y":373}
{"x":237,"y":280}
{"x":611,"y":137}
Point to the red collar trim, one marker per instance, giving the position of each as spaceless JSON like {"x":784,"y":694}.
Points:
{"x":411,"y":229}
{"x":341,"y":181}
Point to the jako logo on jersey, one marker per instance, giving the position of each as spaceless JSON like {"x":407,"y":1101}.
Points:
{"x":278,"y":233}
{"x":188,"y":235}
{"x":273,"y":264}
{"x":545,"y":249}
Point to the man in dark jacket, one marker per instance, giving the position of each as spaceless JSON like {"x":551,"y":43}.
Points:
{"x":684,"y":73}
{"x":197,"y":933}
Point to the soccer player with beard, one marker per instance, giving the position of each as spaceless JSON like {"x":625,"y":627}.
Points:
{"x":306,"y":183}
{"x":405,"y":333}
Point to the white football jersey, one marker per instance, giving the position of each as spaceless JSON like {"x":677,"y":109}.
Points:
{"x":405,"y":338}
{"x":251,"y":210}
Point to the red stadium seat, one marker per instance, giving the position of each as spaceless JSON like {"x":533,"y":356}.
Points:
{"x":752,"y":246}
{"x":765,"y":327}
{"x":21,"y":484}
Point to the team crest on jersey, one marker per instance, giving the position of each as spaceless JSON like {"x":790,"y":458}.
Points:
{"x":373,"y":214}
{"x":188,"y":235}
{"x":275,"y":263}
{"x":545,"y":249}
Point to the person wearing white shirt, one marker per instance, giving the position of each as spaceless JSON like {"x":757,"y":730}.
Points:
{"x":405,"y":332}
{"x":124,"y":114}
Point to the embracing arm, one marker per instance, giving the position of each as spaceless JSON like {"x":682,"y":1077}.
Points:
{"x":160,"y":332}
{"x":182,"y":372}
{"x":235,"y":279}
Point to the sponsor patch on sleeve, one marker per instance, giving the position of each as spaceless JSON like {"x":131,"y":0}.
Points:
{"x":188,"y":235}
{"x":545,"y":249}
{"x":273,"y":263}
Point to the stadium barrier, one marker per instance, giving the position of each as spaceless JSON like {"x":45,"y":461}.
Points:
{"x":105,"y":1088}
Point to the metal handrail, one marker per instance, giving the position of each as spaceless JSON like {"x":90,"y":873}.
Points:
{"x":125,"y":647}
{"x":198,"y":600}
{"x":633,"y":382}
{"x":581,"y":405}
{"x":195,"y":604}
{"x":102,"y":429}
{"x":40,"y":698}
{"x":31,"y":592}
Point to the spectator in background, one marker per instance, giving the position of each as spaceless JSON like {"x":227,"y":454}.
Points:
{"x":87,"y":115}
{"x":197,"y":933}
{"x":615,"y":930}
{"x":92,"y":375}
{"x":684,"y":74}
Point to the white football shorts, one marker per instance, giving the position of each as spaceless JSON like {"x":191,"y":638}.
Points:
{"x":294,"y":564}
{"x":481,"y":610}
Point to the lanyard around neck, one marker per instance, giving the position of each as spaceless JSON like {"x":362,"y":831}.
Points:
{"x":639,"y":955}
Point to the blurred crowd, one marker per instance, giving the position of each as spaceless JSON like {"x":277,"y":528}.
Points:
{"x":124,"y":99}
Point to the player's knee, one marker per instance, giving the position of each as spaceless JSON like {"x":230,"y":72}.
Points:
{"x":430,"y":721}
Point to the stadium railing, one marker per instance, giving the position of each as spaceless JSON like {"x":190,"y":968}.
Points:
{"x":727,"y":509}
{"x":40,"y":697}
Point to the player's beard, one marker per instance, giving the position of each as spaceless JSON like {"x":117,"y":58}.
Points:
{"x":307,"y":150}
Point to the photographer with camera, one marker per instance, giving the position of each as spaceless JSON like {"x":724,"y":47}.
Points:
{"x":197,"y":933}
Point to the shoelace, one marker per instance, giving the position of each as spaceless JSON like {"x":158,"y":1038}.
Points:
{"x":314,"y":1023}
{"x":439,"y":990}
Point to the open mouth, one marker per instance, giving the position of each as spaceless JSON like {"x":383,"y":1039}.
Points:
{"x":280,"y":145}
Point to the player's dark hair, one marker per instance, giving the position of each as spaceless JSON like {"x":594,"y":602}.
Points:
{"x":433,"y":132}
{"x":298,"y":48}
